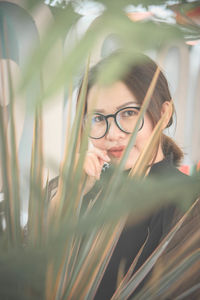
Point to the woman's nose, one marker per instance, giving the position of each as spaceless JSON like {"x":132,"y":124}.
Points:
{"x":114,"y":132}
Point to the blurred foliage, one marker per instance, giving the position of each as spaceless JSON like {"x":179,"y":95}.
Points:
{"x":61,"y":253}
{"x":146,"y":4}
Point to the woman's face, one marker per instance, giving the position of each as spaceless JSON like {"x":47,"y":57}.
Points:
{"x":108,"y":100}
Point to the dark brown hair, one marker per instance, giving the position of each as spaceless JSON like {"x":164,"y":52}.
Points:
{"x":137,"y":78}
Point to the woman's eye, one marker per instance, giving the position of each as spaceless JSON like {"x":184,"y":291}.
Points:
{"x":97,"y":119}
{"x":129,"y":113}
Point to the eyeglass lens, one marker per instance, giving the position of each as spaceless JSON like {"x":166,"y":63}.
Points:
{"x":125,"y":119}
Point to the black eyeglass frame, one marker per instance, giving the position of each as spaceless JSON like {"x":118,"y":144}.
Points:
{"x":114,"y":116}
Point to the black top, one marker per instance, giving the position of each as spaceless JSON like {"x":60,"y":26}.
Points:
{"x":157,"y":225}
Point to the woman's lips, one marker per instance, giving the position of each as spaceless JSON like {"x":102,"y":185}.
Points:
{"x":116,"y":151}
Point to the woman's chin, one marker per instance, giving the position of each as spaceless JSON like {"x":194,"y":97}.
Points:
{"x":128,"y":164}
{"x":114,"y":160}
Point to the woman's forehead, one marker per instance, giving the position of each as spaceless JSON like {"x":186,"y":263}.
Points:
{"x":110,"y":98}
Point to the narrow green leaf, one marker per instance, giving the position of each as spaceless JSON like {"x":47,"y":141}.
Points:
{"x":36,"y":211}
{"x":150,"y":262}
{"x":163,"y":286}
{"x":9,"y":156}
{"x":189,"y":292}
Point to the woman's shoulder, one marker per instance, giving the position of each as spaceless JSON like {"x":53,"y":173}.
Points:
{"x":170,"y":213}
{"x":166,"y":167}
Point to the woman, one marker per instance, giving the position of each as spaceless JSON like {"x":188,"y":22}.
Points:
{"x":112,"y":111}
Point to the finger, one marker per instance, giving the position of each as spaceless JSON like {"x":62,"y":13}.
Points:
{"x":96,"y":164}
{"x":92,"y":165}
{"x":102,"y":154}
{"x":89,"y":168}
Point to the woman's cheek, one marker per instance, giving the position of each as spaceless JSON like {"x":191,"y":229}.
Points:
{"x":132,"y":158}
{"x":100,"y":144}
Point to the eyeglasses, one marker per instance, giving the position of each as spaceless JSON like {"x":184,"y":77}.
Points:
{"x":125,"y":119}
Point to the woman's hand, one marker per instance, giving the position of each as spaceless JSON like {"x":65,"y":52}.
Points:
{"x":94,"y":161}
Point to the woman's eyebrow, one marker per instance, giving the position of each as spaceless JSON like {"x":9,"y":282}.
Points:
{"x":101,"y":111}
{"x":128,"y":103}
